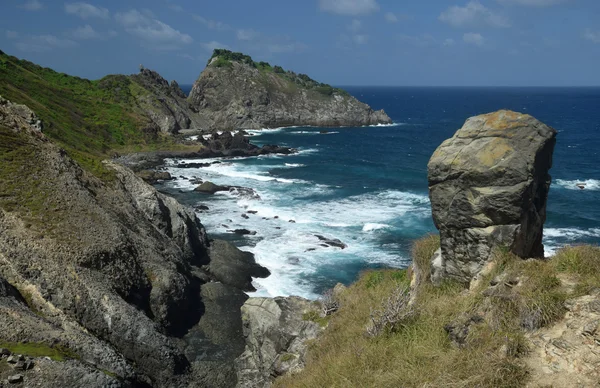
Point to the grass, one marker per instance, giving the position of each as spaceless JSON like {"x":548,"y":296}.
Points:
{"x":89,"y":119}
{"x":525,"y":295}
{"x":37,"y":349}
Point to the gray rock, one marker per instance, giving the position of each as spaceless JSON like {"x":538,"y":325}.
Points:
{"x":15,"y":379}
{"x":276,"y":336}
{"x":234,"y":267}
{"x":488,"y":186}
{"x":242,"y":97}
{"x":210,"y":188}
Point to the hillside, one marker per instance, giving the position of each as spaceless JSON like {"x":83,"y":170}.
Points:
{"x":235,"y":92}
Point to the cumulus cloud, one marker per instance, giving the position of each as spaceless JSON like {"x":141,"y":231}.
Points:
{"x":211,"y":24}
{"x":533,"y":3}
{"x":32,"y":5}
{"x":349,"y":7}
{"x":593,"y":36}
{"x":473,"y":38}
{"x":86,"y":11}
{"x":449,"y":42}
{"x":42,"y":43}
{"x":473,"y":14}
{"x":85,"y":32}
{"x":152,"y":31}
{"x":390,"y":17}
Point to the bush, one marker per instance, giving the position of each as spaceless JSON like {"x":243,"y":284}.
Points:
{"x":395,"y":311}
{"x":278,"y":70}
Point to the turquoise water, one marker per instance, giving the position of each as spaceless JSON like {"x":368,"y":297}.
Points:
{"x":368,"y":186}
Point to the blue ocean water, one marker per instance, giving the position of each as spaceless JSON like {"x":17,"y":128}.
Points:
{"x":368,"y":186}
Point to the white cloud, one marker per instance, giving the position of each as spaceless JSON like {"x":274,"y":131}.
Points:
{"x":211,"y":24}
{"x":424,"y":40}
{"x":390,"y":17}
{"x":86,"y":11}
{"x":11,"y":34}
{"x":157,"y":34}
{"x":360,"y":38}
{"x":473,"y":14}
{"x":449,"y":42}
{"x":85,"y":32}
{"x":349,"y":7}
{"x":474,"y":39}
{"x":32,"y":5}
{"x":247,"y":35}
{"x":210,"y":46}
{"x":593,"y":36}
{"x":42,"y":43}
{"x":533,"y":3}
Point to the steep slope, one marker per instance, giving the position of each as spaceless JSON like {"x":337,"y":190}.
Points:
{"x":111,"y":275}
{"x":234,"y":92}
{"x":92,"y":119}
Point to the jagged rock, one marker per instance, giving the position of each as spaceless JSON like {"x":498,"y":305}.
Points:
{"x":233,"y":267}
{"x":276,"y":334}
{"x":154,"y":176}
{"x":488,"y":186}
{"x":332,"y":242}
{"x":226,"y":145}
{"x":240,"y":96}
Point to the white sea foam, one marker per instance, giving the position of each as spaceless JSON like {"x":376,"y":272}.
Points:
{"x":386,"y":125}
{"x":588,"y":184}
{"x":293,"y":165}
{"x":313,"y":133}
{"x":556,"y":238}
{"x":369,"y":227}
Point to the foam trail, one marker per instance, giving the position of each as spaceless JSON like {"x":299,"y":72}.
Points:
{"x":588,"y":184}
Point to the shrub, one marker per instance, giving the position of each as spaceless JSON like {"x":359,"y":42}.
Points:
{"x":395,"y":311}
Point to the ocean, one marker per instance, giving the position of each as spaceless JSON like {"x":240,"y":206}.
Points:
{"x":367,"y":186}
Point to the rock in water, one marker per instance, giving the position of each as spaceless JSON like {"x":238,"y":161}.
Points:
{"x":488,"y":186}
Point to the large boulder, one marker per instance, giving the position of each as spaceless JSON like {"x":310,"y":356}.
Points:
{"x":488,"y":186}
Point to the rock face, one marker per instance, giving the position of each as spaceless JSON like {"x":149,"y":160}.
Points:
{"x":488,"y":186}
{"x":276,"y":336}
{"x":238,"y":95}
{"x":164,"y":104}
{"x":118,"y":274}
{"x":227,"y":144}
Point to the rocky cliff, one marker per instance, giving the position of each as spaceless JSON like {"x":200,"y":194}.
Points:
{"x":488,"y":186}
{"x":234,"y":92}
{"x":115,"y":278}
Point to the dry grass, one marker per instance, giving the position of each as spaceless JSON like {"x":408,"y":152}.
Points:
{"x":419,"y":353}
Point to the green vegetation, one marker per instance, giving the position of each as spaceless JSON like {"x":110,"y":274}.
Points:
{"x":314,"y":316}
{"x":38,"y":349}
{"x":226,"y":57}
{"x":89,"y":119}
{"x":287,"y":357}
{"x":514,"y":298}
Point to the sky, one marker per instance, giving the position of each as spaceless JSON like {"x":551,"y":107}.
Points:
{"x":340,"y":42}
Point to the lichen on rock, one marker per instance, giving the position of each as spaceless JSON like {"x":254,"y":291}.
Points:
{"x":488,"y":186}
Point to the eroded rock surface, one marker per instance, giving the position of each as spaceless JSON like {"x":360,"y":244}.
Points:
{"x":488,"y":186}
{"x":277,"y":336}
{"x":241,"y":96}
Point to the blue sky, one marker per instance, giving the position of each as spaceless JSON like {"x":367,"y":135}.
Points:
{"x":341,"y":42}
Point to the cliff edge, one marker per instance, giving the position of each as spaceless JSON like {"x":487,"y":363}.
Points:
{"x":234,"y":92}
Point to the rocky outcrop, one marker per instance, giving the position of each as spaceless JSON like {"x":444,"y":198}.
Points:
{"x":488,"y":186}
{"x":112,"y":272}
{"x":227,"y":145}
{"x":565,"y":354}
{"x":277,"y":335}
{"x":238,"y":94}
{"x":164,"y":104}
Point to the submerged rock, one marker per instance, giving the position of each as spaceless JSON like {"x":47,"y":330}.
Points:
{"x":488,"y":186}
